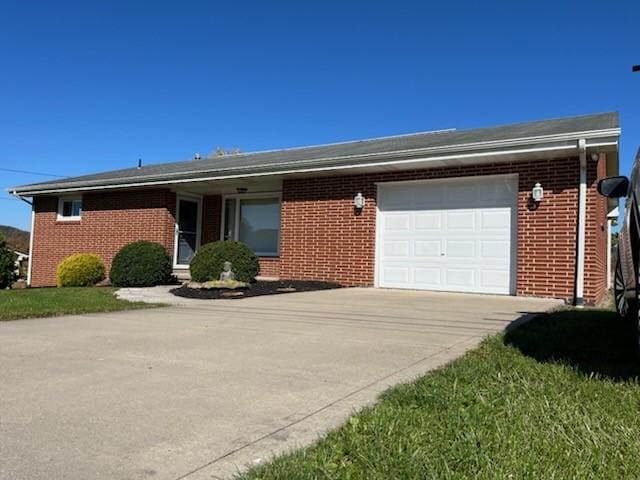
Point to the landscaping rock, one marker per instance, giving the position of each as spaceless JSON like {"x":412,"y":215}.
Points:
{"x":224,"y":284}
{"x":232,"y":294}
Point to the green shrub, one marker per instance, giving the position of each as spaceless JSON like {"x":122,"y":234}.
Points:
{"x":80,"y":270}
{"x":7,"y":264}
{"x":209,"y":259}
{"x":141,"y":264}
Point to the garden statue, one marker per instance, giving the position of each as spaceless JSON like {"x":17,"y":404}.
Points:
{"x":227,"y":273}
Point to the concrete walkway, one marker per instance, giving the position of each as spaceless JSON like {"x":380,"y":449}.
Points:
{"x":158,"y":294}
{"x":199,"y":391}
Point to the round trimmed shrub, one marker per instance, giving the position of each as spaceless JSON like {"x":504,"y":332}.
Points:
{"x":80,"y":270}
{"x":209,"y":260}
{"x":141,"y":264}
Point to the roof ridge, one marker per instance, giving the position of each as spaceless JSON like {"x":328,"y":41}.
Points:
{"x":331,"y":144}
{"x":401,"y":135}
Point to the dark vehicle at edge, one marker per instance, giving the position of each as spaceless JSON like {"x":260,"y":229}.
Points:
{"x":627,"y":268}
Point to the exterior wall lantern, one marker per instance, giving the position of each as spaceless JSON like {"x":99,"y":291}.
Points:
{"x":359,"y":201}
{"x":537,"y":194}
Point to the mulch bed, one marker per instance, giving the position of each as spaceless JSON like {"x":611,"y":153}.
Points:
{"x":255,"y":289}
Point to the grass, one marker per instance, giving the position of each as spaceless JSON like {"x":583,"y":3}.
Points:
{"x":557,"y":398}
{"x":49,"y":302}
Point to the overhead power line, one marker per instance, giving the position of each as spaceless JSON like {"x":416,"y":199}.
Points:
{"x":32,"y":173}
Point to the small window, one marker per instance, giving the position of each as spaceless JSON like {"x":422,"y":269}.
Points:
{"x":70,"y":209}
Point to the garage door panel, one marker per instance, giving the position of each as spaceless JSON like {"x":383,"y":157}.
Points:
{"x":463,"y":220}
{"x":453,"y":235}
{"x":397,"y":222}
{"x":495,"y":249}
{"x":426,"y":277}
{"x":396,"y":248}
{"x":494,"y":280}
{"x":460,"y":249}
{"x":460,"y":277}
{"x":428,"y":248}
{"x":428,"y":221}
{"x":396,"y":275}
{"x":495,"y":219}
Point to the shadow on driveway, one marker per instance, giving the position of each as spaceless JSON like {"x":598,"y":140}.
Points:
{"x":594,"y":342}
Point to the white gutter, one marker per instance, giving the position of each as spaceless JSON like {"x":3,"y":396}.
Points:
{"x":582,"y":217}
{"x":551,"y":148}
{"x":31,"y":235}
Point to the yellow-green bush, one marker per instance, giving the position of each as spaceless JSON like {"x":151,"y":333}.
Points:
{"x":80,"y":270}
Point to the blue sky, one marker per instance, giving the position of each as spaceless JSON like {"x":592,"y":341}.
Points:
{"x":93,"y":86}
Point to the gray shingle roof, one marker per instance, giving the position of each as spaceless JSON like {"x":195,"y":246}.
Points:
{"x":333,"y":155}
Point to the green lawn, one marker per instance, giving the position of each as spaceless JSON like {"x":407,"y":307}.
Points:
{"x":48,"y":302}
{"x":558,"y":398}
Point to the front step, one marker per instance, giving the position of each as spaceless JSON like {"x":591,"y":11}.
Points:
{"x":182,"y":274}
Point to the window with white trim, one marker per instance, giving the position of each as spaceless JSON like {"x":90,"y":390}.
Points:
{"x":254,"y":221}
{"x":70,"y":208}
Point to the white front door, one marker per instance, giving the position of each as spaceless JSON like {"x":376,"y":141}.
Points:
{"x":452,"y":235}
{"x":187,"y":230}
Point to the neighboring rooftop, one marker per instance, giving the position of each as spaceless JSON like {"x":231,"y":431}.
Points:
{"x":336,"y":155}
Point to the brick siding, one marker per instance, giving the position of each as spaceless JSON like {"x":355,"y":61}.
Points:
{"x":110,"y":220}
{"x":211,"y":217}
{"x":324,"y":238}
{"x":270,"y":267}
{"x":595,"y":271}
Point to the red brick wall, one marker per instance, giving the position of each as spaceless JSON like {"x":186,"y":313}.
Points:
{"x":109,"y":221}
{"x":596,"y":235}
{"x":324,"y":238}
{"x":270,"y":267}
{"x":211,"y":217}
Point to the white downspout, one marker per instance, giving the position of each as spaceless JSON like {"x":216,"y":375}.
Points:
{"x":31,"y":235}
{"x":582,"y":219}
{"x":609,"y":221}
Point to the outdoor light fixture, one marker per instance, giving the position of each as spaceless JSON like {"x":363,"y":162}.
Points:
{"x":537,"y":193}
{"x":358,"y":201}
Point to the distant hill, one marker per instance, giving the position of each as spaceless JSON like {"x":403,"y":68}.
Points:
{"x":16,"y":238}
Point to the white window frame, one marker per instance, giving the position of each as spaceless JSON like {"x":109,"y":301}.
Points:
{"x":73,"y":218}
{"x":192,"y":198}
{"x":244,"y":196}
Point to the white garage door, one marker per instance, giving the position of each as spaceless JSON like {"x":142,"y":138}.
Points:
{"x":451,"y":235}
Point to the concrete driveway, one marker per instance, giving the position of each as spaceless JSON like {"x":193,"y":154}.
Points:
{"x":199,"y":391}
